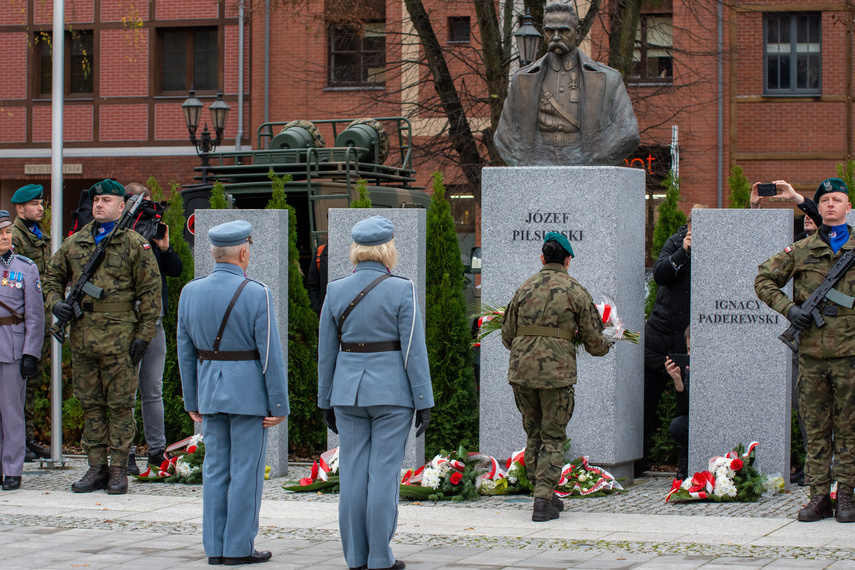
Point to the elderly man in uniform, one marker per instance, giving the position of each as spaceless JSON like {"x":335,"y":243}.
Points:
{"x":538,"y":329}
{"x":109,"y":340}
{"x":566,"y":108}
{"x":30,"y":240}
{"x":22,"y":326}
{"x":826,"y":380}
{"x":235,"y":382}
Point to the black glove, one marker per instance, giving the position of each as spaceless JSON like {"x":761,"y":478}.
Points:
{"x":29,"y":365}
{"x":800,"y":319}
{"x":422,"y":421}
{"x":329,"y":419}
{"x":63,"y":311}
{"x":137,"y":351}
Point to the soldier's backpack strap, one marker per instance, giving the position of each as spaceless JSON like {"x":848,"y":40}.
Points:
{"x":216,"y":354}
{"x":365,"y":346}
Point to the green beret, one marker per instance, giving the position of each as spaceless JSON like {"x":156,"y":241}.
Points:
{"x":562,"y":241}
{"x":26,"y":193}
{"x":106,"y":187}
{"x":828,"y":186}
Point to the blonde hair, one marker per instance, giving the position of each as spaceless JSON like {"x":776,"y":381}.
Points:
{"x":385,"y":253}
{"x":700,"y":207}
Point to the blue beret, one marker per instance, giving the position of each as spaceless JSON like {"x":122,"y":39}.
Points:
{"x":106,"y":187}
{"x":5,"y":220}
{"x":376,"y":230}
{"x":828,"y":186}
{"x":230,"y":233}
{"x":562,"y":241}
{"x":26,"y":193}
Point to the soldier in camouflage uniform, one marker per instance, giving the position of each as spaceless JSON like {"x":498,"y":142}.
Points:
{"x":113,"y":335}
{"x":30,"y":240}
{"x":826,"y":380}
{"x":538,"y":329}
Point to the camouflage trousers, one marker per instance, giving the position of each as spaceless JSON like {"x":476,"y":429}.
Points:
{"x":545,"y":414}
{"x":34,"y":383}
{"x":827,"y":405}
{"x":106,"y":386}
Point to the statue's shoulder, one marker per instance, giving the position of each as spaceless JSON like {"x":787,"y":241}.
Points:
{"x":592,"y":65}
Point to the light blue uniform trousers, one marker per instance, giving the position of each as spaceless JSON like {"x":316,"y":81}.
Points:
{"x":372,"y":441}
{"x":12,"y":433}
{"x":235,"y":449}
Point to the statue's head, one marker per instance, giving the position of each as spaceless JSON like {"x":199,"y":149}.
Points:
{"x":561,"y":28}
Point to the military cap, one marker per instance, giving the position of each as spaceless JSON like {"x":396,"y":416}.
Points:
{"x":562,"y":241}
{"x":106,"y":187}
{"x":26,"y":193}
{"x":230,"y":233}
{"x":376,"y":230}
{"x":5,"y":220}
{"x":828,"y":186}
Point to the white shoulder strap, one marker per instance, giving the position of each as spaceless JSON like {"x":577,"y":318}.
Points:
{"x":412,"y":327}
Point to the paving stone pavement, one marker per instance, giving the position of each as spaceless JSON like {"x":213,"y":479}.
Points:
{"x":158,"y":525}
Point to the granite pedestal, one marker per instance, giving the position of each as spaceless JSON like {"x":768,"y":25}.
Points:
{"x":740,"y":381}
{"x":410,"y":232}
{"x":601,"y":211}
{"x":268,"y":263}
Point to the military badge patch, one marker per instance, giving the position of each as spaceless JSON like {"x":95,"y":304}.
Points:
{"x":146,"y":246}
{"x":38,"y":285}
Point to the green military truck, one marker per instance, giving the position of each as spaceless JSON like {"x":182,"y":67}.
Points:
{"x":323,"y":176}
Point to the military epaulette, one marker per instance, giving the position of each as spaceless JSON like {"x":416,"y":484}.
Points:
{"x":337,"y":279}
{"x":259,"y":282}
{"x":25,"y":258}
{"x":401,"y":277}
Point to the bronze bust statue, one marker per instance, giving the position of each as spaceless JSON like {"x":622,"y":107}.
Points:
{"x":566,"y":109}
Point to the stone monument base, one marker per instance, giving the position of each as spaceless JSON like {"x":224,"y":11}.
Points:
{"x":601,"y":211}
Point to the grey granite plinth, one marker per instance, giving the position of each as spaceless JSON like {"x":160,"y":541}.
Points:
{"x":268,"y":263}
{"x":740,"y":382}
{"x":410,"y":230}
{"x":601,"y":210}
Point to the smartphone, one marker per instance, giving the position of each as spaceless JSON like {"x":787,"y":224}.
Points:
{"x":681,"y":360}
{"x":770,"y":189}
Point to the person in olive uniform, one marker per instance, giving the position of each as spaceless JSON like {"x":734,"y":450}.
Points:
{"x":826,"y":355}
{"x":538,"y":329}
{"x":111,"y":338}
{"x":22,"y":324}
{"x":30,"y":240}
{"x":373,"y":380}
{"x":237,"y":389}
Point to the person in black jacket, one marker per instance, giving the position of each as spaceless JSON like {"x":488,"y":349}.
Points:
{"x":316,"y":280}
{"x":663,"y":333}
{"x":152,"y":363}
{"x":679,"y":428}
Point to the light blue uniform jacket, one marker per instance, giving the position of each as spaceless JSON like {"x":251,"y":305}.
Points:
{"x":27,"y":337}
{"x":389,"y":312}
{"x":247,"y":387}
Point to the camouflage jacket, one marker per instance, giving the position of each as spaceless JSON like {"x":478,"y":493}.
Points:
{"x":807,"y":262}
{"x":27,"y":244}
{"x":128,"y":274}
{"x":550,"y":298}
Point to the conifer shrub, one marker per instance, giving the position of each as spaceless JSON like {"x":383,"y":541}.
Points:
{"x":740,"y":188}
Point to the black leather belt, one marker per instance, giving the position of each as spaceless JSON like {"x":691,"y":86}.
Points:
{"x":385,"y":346}
{"x":229,"y":355}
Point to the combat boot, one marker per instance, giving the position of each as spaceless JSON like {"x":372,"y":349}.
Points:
{"x":118,"y":484}
{"x":844,"y":511}
{"x":557,"y":503}
{"x":544,"y":510}
{"x":96,"y":478}
{"x":38,"y":449}
{"x":132,"y":464}
{"x":818,"y":508}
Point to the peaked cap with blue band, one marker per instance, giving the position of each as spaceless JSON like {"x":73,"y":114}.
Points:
{"x":376,"y":230}
{"x":562,"y":241}
{"x":26,"y":193}
{"x":106,"y":187}
{"x":828,"y":186}
{"x":230,"y":233}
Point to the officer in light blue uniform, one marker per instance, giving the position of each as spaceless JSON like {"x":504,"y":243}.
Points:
{"x":22,"y":332}
{"x":235,"y":382}
{"x":373,"y":374}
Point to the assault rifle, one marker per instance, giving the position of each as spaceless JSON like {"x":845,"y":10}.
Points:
{"x":83,"y":285}
{"x":826,"y":290}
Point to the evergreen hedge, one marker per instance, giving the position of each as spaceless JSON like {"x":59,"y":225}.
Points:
{"x":454,"y":418}
{"x":740,"y":188}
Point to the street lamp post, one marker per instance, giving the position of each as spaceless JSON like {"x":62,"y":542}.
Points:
{"x":528,"y":39}
{"x":192,"y":109}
